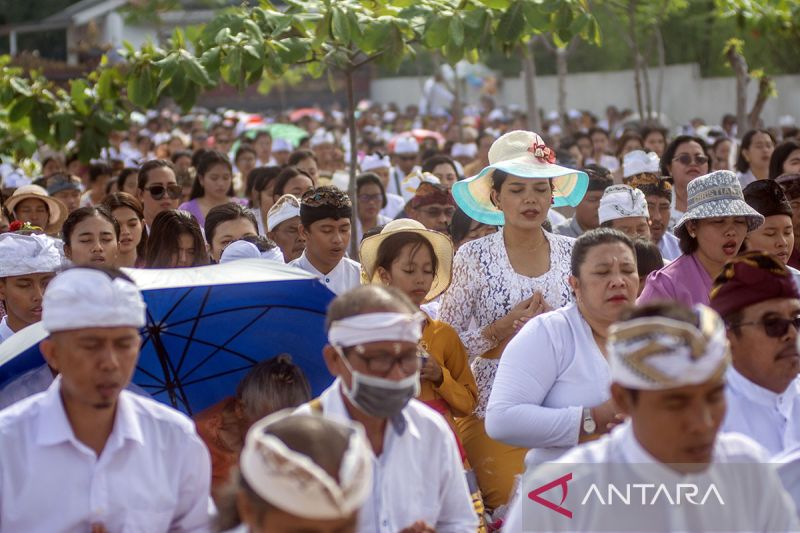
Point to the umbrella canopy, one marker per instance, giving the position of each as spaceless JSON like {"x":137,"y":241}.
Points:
{"x":313,"y":112}
{"x":206,"y":326}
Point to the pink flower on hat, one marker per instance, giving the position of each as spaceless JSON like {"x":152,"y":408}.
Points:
{"x":542,"y":153}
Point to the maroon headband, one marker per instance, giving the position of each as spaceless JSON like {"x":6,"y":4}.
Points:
{"x":749,"y":279}
{"x":430,"y":194}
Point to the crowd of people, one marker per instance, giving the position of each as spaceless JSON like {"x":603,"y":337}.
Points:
{"x":603,"y":293}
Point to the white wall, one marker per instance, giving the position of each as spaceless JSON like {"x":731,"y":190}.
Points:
{"x":686,"y":94}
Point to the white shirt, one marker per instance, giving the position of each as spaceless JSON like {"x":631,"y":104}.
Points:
{"x":5,"y":331}
{"x":746,"y":178}
{"x":669,"y":246}
{"x":153,"y":475}
{"x":770,"y":419}
{"x":750,"y":487}
{"x":675,"y":214}
{"x":608,"y":161}
{"x":418,"y":476}
{"x":555,"y":217}
{"x":394,"y":204}
{"x":538,"y":395}
{"x":358,"y":231}
{"x":345,"y":276}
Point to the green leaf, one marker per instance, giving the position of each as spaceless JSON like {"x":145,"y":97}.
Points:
{"x":580,"y":23}
{"x":20,"y":109}
{"x":436,"y":32}
{"x":340,"y":26}
{"x":80,"y":98}
{"x":537,"y":18}
{"x":105,"y":85}
{"x":21,"y":86}
{"x":210,"y":60}
{"x":457,"y":30}
{"x":177,"y":85}
{"x":167,"y":66}
{"x":195,"y":71}
{"x":293,"y":49}
{"x":141,"y":87}
{"x":375,"y":35}
{"x":64,"y":128}
{"x":511,"y":24}
{"x":496,"y":4}
{"x":232,"y":67}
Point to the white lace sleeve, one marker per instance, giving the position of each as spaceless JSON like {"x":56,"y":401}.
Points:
{"x":458,"y":303}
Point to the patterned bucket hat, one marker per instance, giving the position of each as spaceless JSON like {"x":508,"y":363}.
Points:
{"x":522,"y":154}
{"x":718,"y":194}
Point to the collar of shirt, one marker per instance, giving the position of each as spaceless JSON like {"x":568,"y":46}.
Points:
{"x":333,"y":401}
{"x":5,"y":331}
{"x":759,"y":395}
{"x":54,"y":427}
{"x":635,"y":455}
{"x":573,"y":222}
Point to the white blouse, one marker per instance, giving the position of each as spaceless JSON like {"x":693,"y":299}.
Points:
{"x":549,"y":372}
{"x":486,"y":287}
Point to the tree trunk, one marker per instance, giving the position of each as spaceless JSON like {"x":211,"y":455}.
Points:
{"x":739,"y":66}
{"x":457,"y":106}
{"x":529,"y":72}
{"x":648,"y":94}
{"x":764,"y":91}
{"x":662,"y":66}
{"x":351,"y":188}
{"x":637,"y":80}
{"x":561,"y":69}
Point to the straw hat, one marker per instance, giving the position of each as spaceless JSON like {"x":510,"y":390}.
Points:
{"x":441,"y":243}
{"x":58,"y":211}
{"x":718,"y":194}
{"x":522,"y":154}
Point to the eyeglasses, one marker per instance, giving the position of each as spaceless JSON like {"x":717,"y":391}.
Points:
{"x":157,"y":191}
{"x":383,"y":364}
{"x":436,"y":212}
{"x":686,"y":159}
{"x":369,"y":198}
{"x":775,"y":327}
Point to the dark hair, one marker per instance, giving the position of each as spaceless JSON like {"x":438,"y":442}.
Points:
{"x":460,"y":226}
{"x":119,"y":200}
{"x":742,"y":165}
{"x":259,"y":178}
{"x":368,"y":299}
{"x":648,"y":257}
{"x":622,"y":141}
{"x":672,"y":148}
{"x":686,"y":242}
{"x":98,"y":169}
{"x":81,"y":214}
{"x":262,"y":133}
{"x":593,"y":238}
{"x":225,"y":213}
{"x":272,"y":385}
{"x":244,"y":149}
{"x":648,"y":130}
{"x":209,"y":159}
{"x":598,"y":129}
{"x":390,"y":248}
{"x":123,"y":176}
{"x":162,"y":242}
{"x":718,"y":142}
{"x":300,"y":155}
{"x":262,"y":242}
{"x":369,"y":178}
{"x":432,"y":162}
{"x":780,"y":155}
{"x":145,"y":169}
{"x":284,"y":177}
{"x":178,"y":154}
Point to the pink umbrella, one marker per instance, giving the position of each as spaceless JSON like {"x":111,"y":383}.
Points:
{"x":304,"y":112}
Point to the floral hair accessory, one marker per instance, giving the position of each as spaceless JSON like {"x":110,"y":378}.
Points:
{"x":18,"y":225}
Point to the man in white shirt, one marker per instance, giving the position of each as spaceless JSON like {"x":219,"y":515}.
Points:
{"x":667,"y":367}
{"x":27,"y":264}
{"x":658,"y":193}
{"x":325,"y":225}
{"x":102,"y":458}
{"x":381,"y":166}
{"x":419,"y":482}
{"x":406,"y":160}
{"x":760,"y":304}
{"x":586,"y":212}
{"x":624,"y":208}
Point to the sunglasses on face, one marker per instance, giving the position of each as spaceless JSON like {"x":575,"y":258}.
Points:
{"x":686,"y":159}
{"x":158,"y":191}
{"x":775,"y":327}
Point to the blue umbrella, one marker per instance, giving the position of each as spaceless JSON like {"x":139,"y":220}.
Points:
{"x":206,"y":326}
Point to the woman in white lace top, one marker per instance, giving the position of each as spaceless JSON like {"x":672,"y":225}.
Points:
{"x":503,"y":280}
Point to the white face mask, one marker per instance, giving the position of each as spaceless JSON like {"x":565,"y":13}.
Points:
{"x":379,"y":397}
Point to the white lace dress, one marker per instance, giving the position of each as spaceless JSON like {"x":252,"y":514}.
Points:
{"x":485,"y":287}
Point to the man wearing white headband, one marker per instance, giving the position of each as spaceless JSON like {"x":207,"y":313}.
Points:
{"x":373,"y":335}
{"x":102,"y":458}
{"x":381,"y":166}
{"x":27,"y":264}
{"x":405,"y":157}
{"x":283,"y":227}
{"x":300,"y":473}
{"x":667,"y":369}
{"x":625,"y":209}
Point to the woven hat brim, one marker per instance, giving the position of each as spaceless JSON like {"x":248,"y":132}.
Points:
{"x":722,"y":208}
{"x":442,"y":247}
{"x":58,"y":211}
{"x":473,"y":195}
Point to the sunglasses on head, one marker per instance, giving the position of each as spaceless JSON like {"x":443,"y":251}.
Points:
{"x":686,"y":159}
{"x":158,"y":191}
{"x":775,"y":326}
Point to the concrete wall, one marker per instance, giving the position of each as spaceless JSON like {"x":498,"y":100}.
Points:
{"x":686,"y":94}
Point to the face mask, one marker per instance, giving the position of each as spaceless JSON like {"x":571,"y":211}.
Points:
{"x":379,"y":397}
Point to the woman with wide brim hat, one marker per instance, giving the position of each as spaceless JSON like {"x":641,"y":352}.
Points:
{"x":25,"y":205}
{"x":503,"y":280}
{"x":419,"y":262}
{"x":710,"y":233}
